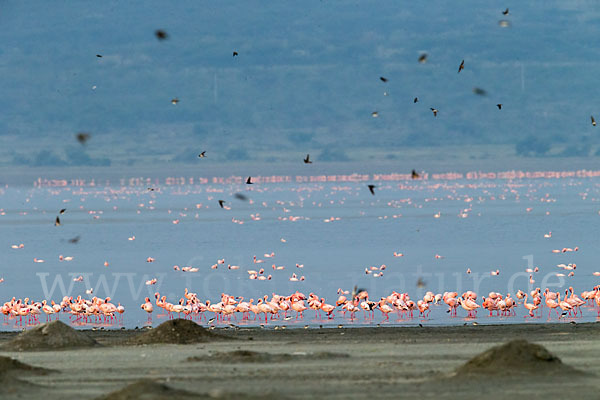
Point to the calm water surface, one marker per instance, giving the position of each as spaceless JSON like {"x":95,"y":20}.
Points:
{"x":335,"y":229}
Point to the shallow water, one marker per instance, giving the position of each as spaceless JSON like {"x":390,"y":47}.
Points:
{"x":484,"y":223}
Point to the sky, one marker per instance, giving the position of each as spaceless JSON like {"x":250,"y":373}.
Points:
{"x":306,"y":80}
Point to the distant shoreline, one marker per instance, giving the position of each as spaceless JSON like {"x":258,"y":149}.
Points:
{"x":152,"y":174}
{"x":476,"y":330}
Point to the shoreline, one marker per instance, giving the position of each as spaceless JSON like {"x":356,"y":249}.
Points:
{"x":416,"y":333}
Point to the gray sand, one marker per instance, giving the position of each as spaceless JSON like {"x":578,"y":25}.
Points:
{"x":382,"y":363}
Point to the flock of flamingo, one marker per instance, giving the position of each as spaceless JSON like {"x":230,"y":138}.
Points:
{"x":282,"y":307}
{"x":80,"y":310}
{"x":279,"y":306}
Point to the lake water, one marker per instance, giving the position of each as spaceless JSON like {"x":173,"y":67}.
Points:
{"x":331,"y":224}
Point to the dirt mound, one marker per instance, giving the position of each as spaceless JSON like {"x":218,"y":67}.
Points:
{"x":256,"y":357}
{"x":11,"y":370}
{"x":177,"y":331}
{"x":53,"y":335}
{"x":9,"y":365}
{"x":147,"y":389}
{"x":515,"y":357}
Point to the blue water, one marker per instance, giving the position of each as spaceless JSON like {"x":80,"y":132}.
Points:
{"x":483,"y":224}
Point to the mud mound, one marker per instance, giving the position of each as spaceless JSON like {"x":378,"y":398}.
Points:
{"x":54,"y":335}
{"x":177,"y":331}
{"x":147,"y":389}
{"x":11,"y":370}
{"x":256,"y":357}
{"x":10,"y":365}
{"x":247,"y":356}
{"x":515,"y":357}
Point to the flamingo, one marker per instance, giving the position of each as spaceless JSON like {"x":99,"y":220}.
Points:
{"x":529,"y":306}
{"x":299,"y":307}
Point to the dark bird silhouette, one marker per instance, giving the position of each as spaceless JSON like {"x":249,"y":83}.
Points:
{"x":151,"y":189}
{"x":202,"y":155}
{"x":499,"y":105}
{"x":160,"y":34}
{"x":62,"y":211}
{"x":57,"y":222}
{"x":307,"y":159}
{"x":423,"y":58}
{"x":249,"y":181}
{"x":99,"y":55}
{"x":221,"y":202}
{"x":372,"y":189}
{"x":356,"y":290}
{"x":383,"y":79}
{"x":235,"y":53}
{"x":74,"y":240}
{"x":593,"y":121}
{"x":434,"y":111}
{"x":415,"y":174}
{"x":240,"y":196}
{"x":461,"y":66}
{"x":416,"y":100}
{"x":505,"y":12}
{"x":83,"y":137}
{"x":479,"y":91}
{"x":175,"y":101}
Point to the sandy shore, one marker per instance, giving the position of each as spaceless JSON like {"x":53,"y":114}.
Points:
{"x":315,"y":363}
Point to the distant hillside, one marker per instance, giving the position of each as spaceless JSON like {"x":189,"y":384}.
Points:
{"x":306,"y":79}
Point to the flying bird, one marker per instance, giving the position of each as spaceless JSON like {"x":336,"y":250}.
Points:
{"x":82,"y":137}
{"x":499,"y":105}
{"x":415,"y":174}
{"x":57,"y":222}
{"x":374,"y":114}
{"x":99,"y":55}
{"x":160,"y":34}
{"x":62,"y":211}
{"x":74,"y":240}
{"x":479,"y":91}
{"x":383,"y":79}
{"x":221,"y":202}
{"x":240,"y":196}
{"x":151,"y":189}
{"x":249,"y":181}
{"x":235,"y":53}
{"x":372,"y":189}
{"x":461,"y":66}
{"x":434,"y":111}
{"x":307,"y":159}
{"x":416,"y":100}
{"x":175,"y":101}
{"x":202,"y":155}
{"x":593,"y":121}
{"x":505,"y":12}
{"x":423,"y":58}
